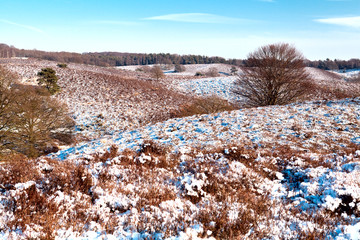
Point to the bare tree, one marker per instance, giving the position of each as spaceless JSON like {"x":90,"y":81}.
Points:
{"x":273,"y":75}
{"x":157,"y":73}
{"x":36,"y":118}
{"x":7,"y":97}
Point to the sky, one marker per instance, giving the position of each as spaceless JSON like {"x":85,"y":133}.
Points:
{"x":319,"y":29}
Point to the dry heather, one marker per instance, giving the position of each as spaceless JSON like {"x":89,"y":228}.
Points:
{"x":281,"y":172}
{"x":331,"y":86}
{"x":289,"y":172}
{"x":227,"y":192}
{"x":105,"y":99}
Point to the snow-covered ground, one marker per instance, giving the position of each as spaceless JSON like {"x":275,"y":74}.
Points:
{"x":190,"y":69}
{"x":349,"y":73}
{"x":104,"y":100}
{"x":279,"y":172}
{"x":300,"y":159}
{"x":219,"y":86}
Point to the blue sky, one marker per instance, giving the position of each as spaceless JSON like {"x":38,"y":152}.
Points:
{"x":230,"y":28}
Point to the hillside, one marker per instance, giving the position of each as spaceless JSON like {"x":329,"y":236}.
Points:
{"x":115,"y":99}
{"x":105,"y":99}
{"x":277,"y":172}
{"x":272,"y":172}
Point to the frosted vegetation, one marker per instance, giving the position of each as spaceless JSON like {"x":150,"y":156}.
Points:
{"x":145,"y":167}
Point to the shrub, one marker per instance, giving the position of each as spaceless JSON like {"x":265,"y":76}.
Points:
{"x":113,"y":152}
{"x":145,"y":69}
{"x":62,"y":65}
{"x":199,"y":74}
{"x":16,"y":168}
{"x":212,"y":72}
{"x":33,"y":207}
{"x":233,"y":70}
{"x":157,"y":73}
{"x":180,"y":68}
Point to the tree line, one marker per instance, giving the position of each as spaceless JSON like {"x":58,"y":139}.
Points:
{"x":336,"y":64}
{"x":111,"y":59}
{"x":108,"y":59}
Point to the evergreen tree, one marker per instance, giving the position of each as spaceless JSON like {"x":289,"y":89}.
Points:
{"x":48,"y":79}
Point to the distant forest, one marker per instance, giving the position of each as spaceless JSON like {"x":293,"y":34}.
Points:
{"x":110,"y":59}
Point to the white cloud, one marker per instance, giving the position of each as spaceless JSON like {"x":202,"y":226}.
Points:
{"x":196,"y":18}
{"x":109,"y":22}
{"x":267,"y":0}
{"x":345,"y":21}
{"x":22,"y":26}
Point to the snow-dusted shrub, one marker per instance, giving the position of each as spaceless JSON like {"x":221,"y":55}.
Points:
{"x":113,"y":152}
{"x":17,"y":168}
{"x":36,"y":192}
{"x":146,"y":69}
{"x":32,"y":209}
{"x":222,"y":222}
{"x":179,"y":68}
{"x":149,"y":155}
{"x":212,"y":72}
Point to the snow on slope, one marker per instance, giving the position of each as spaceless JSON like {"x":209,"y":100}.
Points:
{"x":190,"y":69}
{"x":306,"y":156}
{"x":325,"y":122}
{"x":290,"y":170}
{"x":106,"y":99}
{"x":327,"y":83}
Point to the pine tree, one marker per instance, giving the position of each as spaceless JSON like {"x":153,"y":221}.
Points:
{"x":48,"y":79}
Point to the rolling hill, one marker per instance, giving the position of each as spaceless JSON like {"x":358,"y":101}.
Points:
{"x":276,"y":172}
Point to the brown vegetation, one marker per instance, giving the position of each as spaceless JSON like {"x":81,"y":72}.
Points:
{"x":29,"y":117}
{"x":206,"y":105}
{"x":179,"y":68}
{"x":7,"y":98}
{"x":212,"y":72}
{"x":157,"y":73}
{"x":274,"y":75}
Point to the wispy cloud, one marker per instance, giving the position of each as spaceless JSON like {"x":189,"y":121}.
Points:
{"x":344,"y":21}
{"x":22,"y":26}
{"x":110,"y":22}
{"x":197,"y":18}
{"x":267,"y":1}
